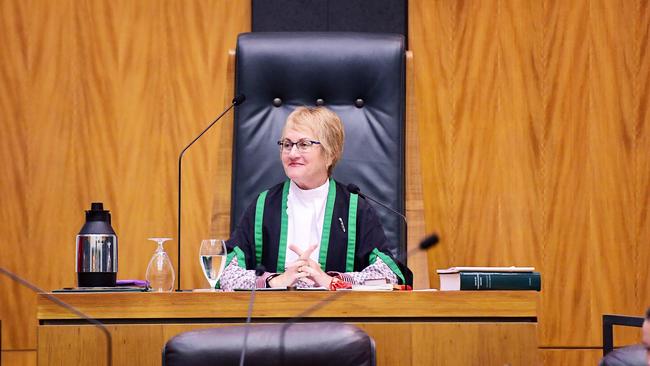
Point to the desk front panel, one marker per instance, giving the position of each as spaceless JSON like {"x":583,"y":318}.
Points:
{"x":404,"y":343}
{"x":408,"y":328}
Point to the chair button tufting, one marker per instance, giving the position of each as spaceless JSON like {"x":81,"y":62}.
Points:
{"x":359,"y":102}
{"x":277,"y":102}
{"x":320,"y":102}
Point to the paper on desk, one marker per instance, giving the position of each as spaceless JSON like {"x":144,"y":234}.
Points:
{"x":384,"y":287}
{"x":486,"y":269}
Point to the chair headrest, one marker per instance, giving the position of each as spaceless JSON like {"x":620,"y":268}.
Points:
{"x":311,"y":344}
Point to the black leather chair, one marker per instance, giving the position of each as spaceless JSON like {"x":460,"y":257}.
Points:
{"x":313,"y":344}
{"x":360,"y":76}
{"x":625,"y":356}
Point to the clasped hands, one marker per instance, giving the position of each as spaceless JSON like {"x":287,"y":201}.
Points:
{"x":304,"y":269}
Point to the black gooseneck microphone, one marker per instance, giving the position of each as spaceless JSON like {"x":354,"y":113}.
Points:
{"x":235,"y":101}
{"x":70,"y":308}
{"x":353,"y":188}
{"x":425,"y":244}
{"x":259,"y":270}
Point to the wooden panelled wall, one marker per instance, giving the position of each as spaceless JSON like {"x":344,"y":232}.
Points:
{"x":534,"y":119}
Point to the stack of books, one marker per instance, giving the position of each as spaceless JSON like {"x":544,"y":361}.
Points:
{"x":489,"y":278}
{"x":374,"y":285}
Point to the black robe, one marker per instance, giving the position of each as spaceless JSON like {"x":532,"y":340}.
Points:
{"x":371,"y":241}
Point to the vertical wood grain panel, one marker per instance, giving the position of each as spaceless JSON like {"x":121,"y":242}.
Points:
{"x":612,"y":145}
{"x":565,"y":82}
{"x":19,"y":358}
{"x":13,"y":183}
{"x":476,"y":154}
{"x":541,"y":123}
{"x":147,"y":201}
{"x":70,"y":149}
{"x":221,"y":202}
{"x":195,"y":101}
{"x":417,"y":261}
{"x":476,"y":344}
{"x":642,"y":166}
{"x":432,"y":39}
{"x":97,"y":100}
{"x":534,"y":120}
{"x":520,"y":126}
{"x":570,"y":357}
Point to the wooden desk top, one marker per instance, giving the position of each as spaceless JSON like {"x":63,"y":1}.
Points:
{"x":398,"y":304}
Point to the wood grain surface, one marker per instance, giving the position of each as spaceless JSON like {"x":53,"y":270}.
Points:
{"x":474,"y":344}
{"x":570,"y":357}
{"x":461,"y":343}
{"x":22,"y":358}
{"x":97,"y":100}
{"x":534,"y":127}
{"x":536,"y":113}
{"x":288,"y":304}
{"x":463,"y":327}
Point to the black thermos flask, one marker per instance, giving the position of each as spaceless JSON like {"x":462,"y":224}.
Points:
{"x":96,"y":249}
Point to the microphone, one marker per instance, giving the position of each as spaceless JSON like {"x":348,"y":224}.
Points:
{"x":238,"y":100}
{"x":426,"y":243}
{"x":70,"y":308}
{"x":259,"y":270}
{"x":353,"y":188}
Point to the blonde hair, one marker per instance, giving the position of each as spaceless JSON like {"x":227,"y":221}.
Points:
{"x":325,"y":125}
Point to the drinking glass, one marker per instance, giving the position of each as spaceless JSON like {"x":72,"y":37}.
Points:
{"x":212,"y":256}
{"x":160,"y":272}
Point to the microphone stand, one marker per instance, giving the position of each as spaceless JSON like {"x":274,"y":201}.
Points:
{"x":353,"y":188}
{"x":259,"y":270}
{"x":236,"y":101}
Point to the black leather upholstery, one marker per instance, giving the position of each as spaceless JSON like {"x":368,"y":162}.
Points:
{"x":313,"y":344}
{"x":373,"y":16}
{"x":626,"y":356}
{"x":359,"y":76}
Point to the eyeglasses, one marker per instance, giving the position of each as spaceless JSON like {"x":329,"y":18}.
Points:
{"x":303,"y":145}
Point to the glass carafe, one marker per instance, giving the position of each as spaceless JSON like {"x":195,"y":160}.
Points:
{"x":160,"y":272}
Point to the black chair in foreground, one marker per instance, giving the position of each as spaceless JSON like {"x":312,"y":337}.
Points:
{"x":624,"y":356}
{"x":313,"y":344}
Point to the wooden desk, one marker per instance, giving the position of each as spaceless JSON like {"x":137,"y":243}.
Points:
{"x":410,"y":328}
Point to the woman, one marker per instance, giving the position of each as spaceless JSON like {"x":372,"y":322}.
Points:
{"x":310,"y":231}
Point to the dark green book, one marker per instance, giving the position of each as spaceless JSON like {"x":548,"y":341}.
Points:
{"x":491,"y":281}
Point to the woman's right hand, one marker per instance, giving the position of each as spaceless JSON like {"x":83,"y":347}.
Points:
{"x":290,"y":276}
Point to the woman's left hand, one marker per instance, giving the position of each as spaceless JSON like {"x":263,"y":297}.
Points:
{"x":312,"y":267}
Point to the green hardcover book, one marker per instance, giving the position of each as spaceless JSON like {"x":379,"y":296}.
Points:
{"x":498,"y":281}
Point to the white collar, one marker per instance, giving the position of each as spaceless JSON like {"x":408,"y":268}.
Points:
{"x":309,"y":194}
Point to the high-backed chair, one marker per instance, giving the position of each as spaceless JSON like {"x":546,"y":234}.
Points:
{"x":361,"y":77}
{"x":314,"y":344}
{"x":624,"y":356}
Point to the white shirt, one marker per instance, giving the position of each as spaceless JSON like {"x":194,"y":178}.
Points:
{"x":306,"y":213}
